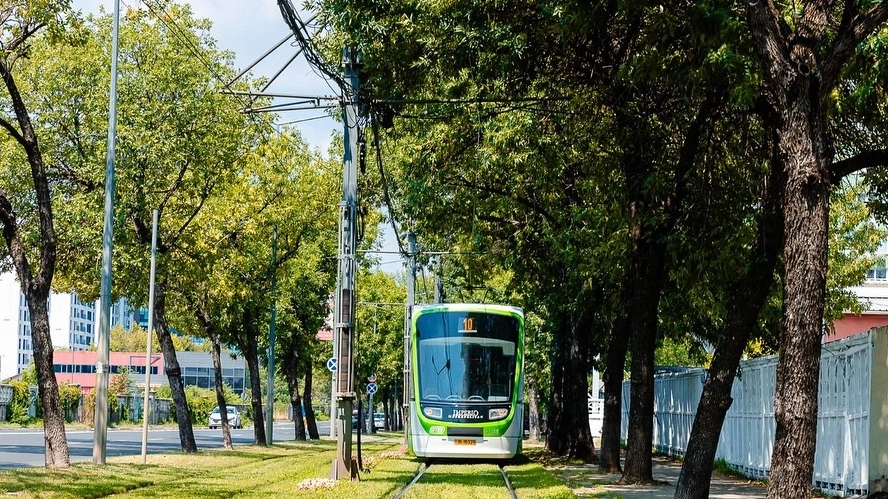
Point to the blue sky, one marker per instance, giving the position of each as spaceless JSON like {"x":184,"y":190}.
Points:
{"x":249,"y":29}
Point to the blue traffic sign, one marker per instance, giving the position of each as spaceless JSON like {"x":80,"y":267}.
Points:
{"x":371,"y":388}
{"x":331,"y":364}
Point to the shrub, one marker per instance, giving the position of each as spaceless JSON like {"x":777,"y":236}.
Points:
{"x":21,"y":400}
{"x":201,"y":402}
{"x":69,"y":396}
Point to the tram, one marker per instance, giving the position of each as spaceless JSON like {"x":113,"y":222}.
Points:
{"x":466,"y":381}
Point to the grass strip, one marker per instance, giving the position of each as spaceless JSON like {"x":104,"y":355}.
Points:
{"x":289,"y":469}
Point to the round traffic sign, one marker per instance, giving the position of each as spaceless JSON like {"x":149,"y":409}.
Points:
{"x":372,"y":378}
{"x":331,"y":364}
{"x":371,"y":388}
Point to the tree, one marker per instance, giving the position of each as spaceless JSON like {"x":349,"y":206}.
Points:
{"x":681,"y":117}
{"x":179,"y":138}
{"x":303,"y":311}
{"x":280,"y":187}
{"x":136,"y":340}
{"x":508,"y":184}
{"x":26,"y":201}
{"x":804,"y":55}
{"x":380,"y":343}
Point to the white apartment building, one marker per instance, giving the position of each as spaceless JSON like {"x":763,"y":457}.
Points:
{"x":72,"y":324}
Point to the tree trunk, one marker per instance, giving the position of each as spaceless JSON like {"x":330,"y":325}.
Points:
{"x":569,"y":433}
{"x":291,"y":374}
{"x":172,"y":369}
{"x":743,"y":312}
{"x":256,"y":400}
{"x":54,"y":439}
{"x":220,"y":393}
{"x":533,"y":409}
{"x":647,"y":232}
{"x":249,"y":347}
{"x":615,"y":362}
{"x":200,"y":310}
{"x":648,"y":275}
{"x":806,"y":215}
{"x":311,"y":423}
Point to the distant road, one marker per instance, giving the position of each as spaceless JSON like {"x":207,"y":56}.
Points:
{"x":23,"y":448}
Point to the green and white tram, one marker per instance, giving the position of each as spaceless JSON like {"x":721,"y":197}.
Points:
{"x":466,"y":381}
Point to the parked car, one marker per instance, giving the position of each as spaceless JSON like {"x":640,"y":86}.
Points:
{"x":234,"y":418}
{"x":379,"y":420}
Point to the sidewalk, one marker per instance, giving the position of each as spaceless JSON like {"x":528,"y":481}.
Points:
{"x":586,"y":481}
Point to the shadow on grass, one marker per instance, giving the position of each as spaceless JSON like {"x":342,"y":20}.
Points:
{"x":88,"y":481}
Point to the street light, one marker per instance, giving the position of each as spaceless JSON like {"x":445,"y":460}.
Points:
{"x":103,"y":341}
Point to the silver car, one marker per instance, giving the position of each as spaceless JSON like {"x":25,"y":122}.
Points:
{"x":234,"y":417}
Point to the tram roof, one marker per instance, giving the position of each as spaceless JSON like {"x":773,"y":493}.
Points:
{"x":468,"y":307}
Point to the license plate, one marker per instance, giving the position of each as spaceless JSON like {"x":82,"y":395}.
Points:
{"x":464,"y":441}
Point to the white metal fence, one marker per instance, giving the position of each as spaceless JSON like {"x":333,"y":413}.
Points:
{"x":596,"y":414}
{"x":841,"y":461}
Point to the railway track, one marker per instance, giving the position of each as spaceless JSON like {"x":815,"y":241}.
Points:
{"x":425,"y":466}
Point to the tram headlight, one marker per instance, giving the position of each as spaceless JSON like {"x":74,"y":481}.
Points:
{"x":497,"y":414}
{"x":433,"y":412}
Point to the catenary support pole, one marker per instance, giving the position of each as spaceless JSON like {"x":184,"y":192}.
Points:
{"x":145,"y":405}
{"x":344,"y":317}
{"x":103,"y":341}
{"x":408,"y":320}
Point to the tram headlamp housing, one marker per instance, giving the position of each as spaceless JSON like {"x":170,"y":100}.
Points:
{"x":496,"y":414}
{"x":433,"y":412}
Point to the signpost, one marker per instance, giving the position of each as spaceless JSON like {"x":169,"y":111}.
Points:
{"x":372,"y":387}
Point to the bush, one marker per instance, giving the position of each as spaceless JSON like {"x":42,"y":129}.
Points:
{"x":69,"y":396}
{"x":21,"y":400}
{"x":201,"y":402}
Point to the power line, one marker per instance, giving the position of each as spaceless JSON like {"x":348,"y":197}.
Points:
{"x":300,"y":31}
{"x":473,"y":100}
{"x":183,"y":36}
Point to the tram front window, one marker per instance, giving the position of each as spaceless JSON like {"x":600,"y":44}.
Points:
{"x":456,"y":364}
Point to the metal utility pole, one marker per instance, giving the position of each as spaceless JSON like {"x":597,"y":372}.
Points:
{"x":344,"y":316}
{"x":103,"y":340}
{"x":269,"y":421}
{"x":145,"y":409}
{"x":408,"y":320}
{"x":439,"y":283}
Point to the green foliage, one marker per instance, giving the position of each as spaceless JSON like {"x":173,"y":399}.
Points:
{"x":17,"y":412}
{"x":854,"y":238}
{"x":685,"y":351}
{"x":69,"y":397}
{"x":179,"y":139}
{"x":201,"y":402}
{"x":136,"y":339}
{"x":120,"y":383}
{"x":380,"y":329}
{"x":29,"y":375}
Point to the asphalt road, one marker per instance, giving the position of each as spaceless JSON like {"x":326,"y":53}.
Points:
{"x":23,"y":448}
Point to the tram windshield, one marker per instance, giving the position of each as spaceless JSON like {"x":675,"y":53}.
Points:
{"x":466,"y":356}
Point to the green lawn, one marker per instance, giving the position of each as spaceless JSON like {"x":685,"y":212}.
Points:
{"x":290,"y":469}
